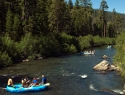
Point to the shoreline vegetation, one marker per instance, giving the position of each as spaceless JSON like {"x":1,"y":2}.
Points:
{"x":119,"y":57}
{"x":30,"y":48}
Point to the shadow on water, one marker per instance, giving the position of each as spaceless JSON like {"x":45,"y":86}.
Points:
{"x":65,"y":75}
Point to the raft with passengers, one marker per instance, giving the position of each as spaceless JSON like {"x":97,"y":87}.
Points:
{"x":19,"y":88}
{"x":27,"y":86}
{"x":109,"y":47}
{"x":91,"y":52}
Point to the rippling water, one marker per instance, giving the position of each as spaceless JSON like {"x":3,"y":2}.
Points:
{"x":66,"y":75}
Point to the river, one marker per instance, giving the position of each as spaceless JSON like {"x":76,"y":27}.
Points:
{"x":63,"y":74}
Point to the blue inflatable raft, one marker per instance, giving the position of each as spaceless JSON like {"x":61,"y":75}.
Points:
{"x":19,"y":88}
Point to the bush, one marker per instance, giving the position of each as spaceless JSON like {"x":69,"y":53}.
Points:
{"x":68,"y":43}
{"x":5,"y":60}
{"x":85,"y":41}
{"x":108,"y":41}
{"x":26,"y":46}
{"x":8,"y":45}
{"x":72,"y":49}
{"x":119,"y":57}
{"x":97,"y":40}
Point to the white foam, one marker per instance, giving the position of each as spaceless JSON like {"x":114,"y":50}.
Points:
{"x":72,"y":73}
{"x":118,"y":91}
{"x":83,"y":76}
{"x":92,"y":87}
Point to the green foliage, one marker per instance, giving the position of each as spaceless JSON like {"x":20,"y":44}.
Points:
{"x":69,"y":49}
{"x":54,"y":27}
{"x":77,"y":4}
{"x":103,"y":8}
{"x":72,"y":49}
{"x":9,"y":21}
{"x":68,"y":44}
{"x":70,"y":4}
{"x":5,"y":60}
{"x":16,"y":33}
{"x":119,"y":58}
{"x":57,"y":16}
{"x":48,"y":45}
{"x":89,"y":41}
{"x":26,"y":46}
{"x":85,"y":41}
{"x":8,"y":45}
{"x":41,"y":17}
{"x":66,"y":38}
{"x":97,"y":40}
{"x":108,"y":41}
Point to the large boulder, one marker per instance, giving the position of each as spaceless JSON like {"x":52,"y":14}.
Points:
{"x":102,"y":66}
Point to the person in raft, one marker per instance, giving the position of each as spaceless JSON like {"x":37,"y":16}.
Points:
{"x":23,"y":82}
{"x":44,"y":80}
{"x":10,"y":82}
{"x":35,"y":82}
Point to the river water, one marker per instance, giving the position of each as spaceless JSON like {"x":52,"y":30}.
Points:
{"x":64,"y":75}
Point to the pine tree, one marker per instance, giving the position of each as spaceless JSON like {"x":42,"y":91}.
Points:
{"x":17,"y":31}
{"x":77,"y":4}
{"x":2,"y":16}
{"x":9,"y":22}
{"x":41,"y":16}
{"x":103,"y":8}
{"x":87,"y":8}
{"x":70,"y":4}
{"x":57,"y":16}
{"x":28,"y":12}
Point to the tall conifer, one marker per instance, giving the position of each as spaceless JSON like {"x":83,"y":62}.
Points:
{"x":103,"y":8}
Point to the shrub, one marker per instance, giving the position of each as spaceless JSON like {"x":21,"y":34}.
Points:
{"x":5,"y":60}
{"x":119,"y":57}
{"x":97,"y":40}
{"x":26,"y":46}
{"x":72,"y":49}
{"x":85,"y":41}
{"x":8,"y":45}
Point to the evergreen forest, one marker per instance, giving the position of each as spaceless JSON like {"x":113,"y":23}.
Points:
{"x":33,"y":28}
